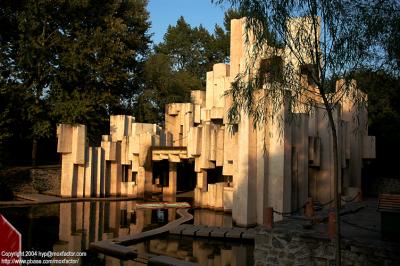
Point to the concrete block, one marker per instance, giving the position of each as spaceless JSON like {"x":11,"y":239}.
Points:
{"x":116,"y":171}
{"x":109,"y":150}
{"x":197,"y":113}
{"x":170,"y":190}
{"x":172,"y":109}
{"x":197,"y":197}
{"x":204,"y":199}
{"x":212,"y":195}
{"x":144,"y":149}
{"x":67,"y":174}
{"x":131,"y":189}
{"x":64,"y":138}
{"x":125,"y":160}
{"x":220,"y":70}
{"x":219,"y":195}
{"x":198,"y":97}
{"x":89,"y":172}
{"x":120,"y":126}
{"x":140,"y":128}
{"x":135,"y":163}
{"x":217,"y":113}
{"x":134,"y":144}
{"x":228,"y":198}
{"x":205,"y":115}
{"x":99,"y":175}
{"x":78,"y":144}
{"x":219,"y":153}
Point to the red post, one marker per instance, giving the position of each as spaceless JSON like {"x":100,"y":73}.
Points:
{"x":309,"y":210}
{"x":269,"y":217}
{"x":331,"y":225}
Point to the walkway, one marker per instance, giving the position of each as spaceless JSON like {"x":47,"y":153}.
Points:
{"x":117,"y":247}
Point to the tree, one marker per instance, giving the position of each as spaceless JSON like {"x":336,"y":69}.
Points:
{"x":179,"y":64}
{"x":330,"y":40}
{"x":194,"y":50}
{"x":163,"y":85}
{"x":383,"y":91}
{"x":73,"y":61}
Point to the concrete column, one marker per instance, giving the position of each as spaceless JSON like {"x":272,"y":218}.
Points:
{"x":88,"y":172}
{"x":140,"y":181}
{"x":67,"y":173}
{"x":116,"y":172}
{"x":170,"y":191}
{"x":300,"y":160}
{"x":262,"y":173}
{"x":279,"y":163}
{"x":80,"y":180}
{"x":244,"y":195}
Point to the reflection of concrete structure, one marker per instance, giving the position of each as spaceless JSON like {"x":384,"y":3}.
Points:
{"x":202,"y":252}
{"x":82,"y":223}
{"x":237,"y":167}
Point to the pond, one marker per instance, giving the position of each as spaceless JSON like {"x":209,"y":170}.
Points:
{"x":73,"y":226}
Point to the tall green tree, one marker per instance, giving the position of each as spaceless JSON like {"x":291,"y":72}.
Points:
{"x":73,"y":61}
{"x":331,"y":40}
{"x":194,"y":49}
{"x":164,"y":85}
{"x":179,"y":64}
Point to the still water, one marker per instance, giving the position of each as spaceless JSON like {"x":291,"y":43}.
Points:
{"x":73,"y":226}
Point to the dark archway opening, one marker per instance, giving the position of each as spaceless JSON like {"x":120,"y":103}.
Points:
{"x":186,"y":176}
{"x":160,"y":173}
{"x":214,"y":175}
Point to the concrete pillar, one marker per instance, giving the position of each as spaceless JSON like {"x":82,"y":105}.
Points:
{"x":244,"y":195}
{"x":219,"y":196}
{"x":279,"y":163}
{"x":262,"y":172}
{"x":170,"y":191}
{"x":116,"y":172}
{"x":80,"y":180}
{"x":88,"y":172}
{"x":228,"y":199}
{"x":299,"y":160}
{"x":67,"y":173}
{"x":140,"y":179}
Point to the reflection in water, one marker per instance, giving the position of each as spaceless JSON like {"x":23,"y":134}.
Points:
{"x":212,"y":218}
{"x":86,"y":222}
{"x":202,"y":251}
{"x":73,"y":226}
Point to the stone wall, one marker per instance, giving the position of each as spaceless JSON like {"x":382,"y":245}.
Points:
{"x":46,"y":179}
{"x":283,"y":247}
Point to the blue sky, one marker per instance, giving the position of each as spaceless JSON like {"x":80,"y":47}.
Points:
{"x":195,"y":12}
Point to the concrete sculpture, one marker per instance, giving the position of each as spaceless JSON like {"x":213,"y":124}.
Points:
{"x":238,"y":168}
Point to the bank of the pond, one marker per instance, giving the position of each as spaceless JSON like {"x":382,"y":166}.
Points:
{"x":290,"y":243}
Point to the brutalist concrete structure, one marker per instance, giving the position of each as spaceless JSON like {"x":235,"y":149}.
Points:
{"x":237,"y":168}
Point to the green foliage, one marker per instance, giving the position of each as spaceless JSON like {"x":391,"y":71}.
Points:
{"x":384,"y":117}
{"x":69,"y":62}
{"x":194,"y":50}
{"x":163,"y":85}
{"x":179,"y":65}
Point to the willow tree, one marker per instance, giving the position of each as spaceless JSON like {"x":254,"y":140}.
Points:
{"x":319,"y":41}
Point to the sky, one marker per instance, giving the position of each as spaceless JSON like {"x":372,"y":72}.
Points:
{"x":195,"y":12}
